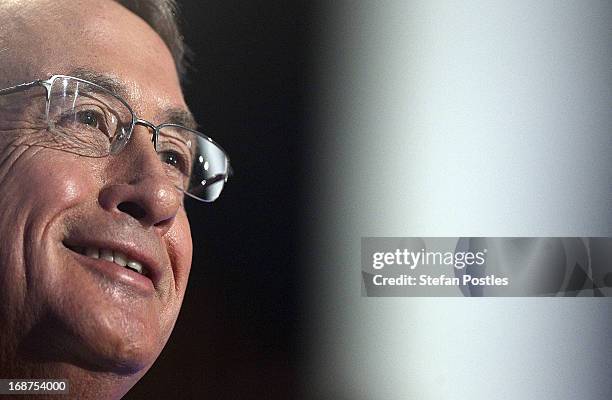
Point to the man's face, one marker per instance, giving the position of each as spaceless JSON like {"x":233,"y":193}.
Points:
{"x":57,"y":303}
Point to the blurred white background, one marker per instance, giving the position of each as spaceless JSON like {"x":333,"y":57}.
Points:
{"x":448,"y":118}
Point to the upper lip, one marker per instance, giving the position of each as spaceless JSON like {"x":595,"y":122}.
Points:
{"x":137,"y":247}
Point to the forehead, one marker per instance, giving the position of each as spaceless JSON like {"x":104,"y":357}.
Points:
{"x":56,"y":37}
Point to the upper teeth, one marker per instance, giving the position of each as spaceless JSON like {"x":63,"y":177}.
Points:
{"x":114,"y":256}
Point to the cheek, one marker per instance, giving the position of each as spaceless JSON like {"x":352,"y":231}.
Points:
{"x":58,"y":191}
{"x":40,"y":190}
{"x":179,"y":243}
{"x":48,"y":184}
{"x":38,"y":185}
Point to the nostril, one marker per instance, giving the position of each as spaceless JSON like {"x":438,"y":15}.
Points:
{"x":166,"y":222}
{"x":132,"y":209}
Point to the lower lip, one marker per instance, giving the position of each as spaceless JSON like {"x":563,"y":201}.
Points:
{"x":117,"y":273}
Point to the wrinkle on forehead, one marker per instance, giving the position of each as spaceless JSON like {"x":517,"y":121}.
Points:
{"x":55,"y":37}
{"x":25,"y":30}
{"x":15,"y":24}
{"x":64,"y":29}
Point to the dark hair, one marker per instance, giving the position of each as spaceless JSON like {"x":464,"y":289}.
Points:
{"x":161,"y":15}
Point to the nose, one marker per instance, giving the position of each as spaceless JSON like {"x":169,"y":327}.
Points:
{"x":139,"y":187}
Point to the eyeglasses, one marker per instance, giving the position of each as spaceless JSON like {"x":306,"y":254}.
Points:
{"x":90,"y":120}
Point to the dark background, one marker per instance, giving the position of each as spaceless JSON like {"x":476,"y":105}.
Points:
{"x":238,"y":332}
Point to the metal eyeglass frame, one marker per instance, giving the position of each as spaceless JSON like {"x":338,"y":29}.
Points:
{"x":48,"y":83}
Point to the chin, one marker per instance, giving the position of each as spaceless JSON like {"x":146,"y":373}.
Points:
{"x":103,"y":346}
{"x":98,"y":344}
{"x":102,"y":328}
{"x":127,"y":357}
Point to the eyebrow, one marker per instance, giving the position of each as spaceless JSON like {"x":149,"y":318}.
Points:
{"x":179,"y":116}
{"x":108,"y":82}
{"x":172,"y":115}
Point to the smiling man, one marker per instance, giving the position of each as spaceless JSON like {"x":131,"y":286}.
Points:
{"x":97,"y":152}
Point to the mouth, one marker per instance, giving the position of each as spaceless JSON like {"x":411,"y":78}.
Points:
{"x":113,"y":256}
{"x":121,"y":264}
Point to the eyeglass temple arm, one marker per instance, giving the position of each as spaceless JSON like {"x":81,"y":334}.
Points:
{"x":23,"y":86}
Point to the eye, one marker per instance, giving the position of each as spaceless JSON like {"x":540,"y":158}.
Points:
{"x":171,"y":158}
{"x":103,"y":122}
{"x":91,"y":118}
{"x":176,"y":160}
{"x":177,"y":167}
{"x":88,"y":117}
